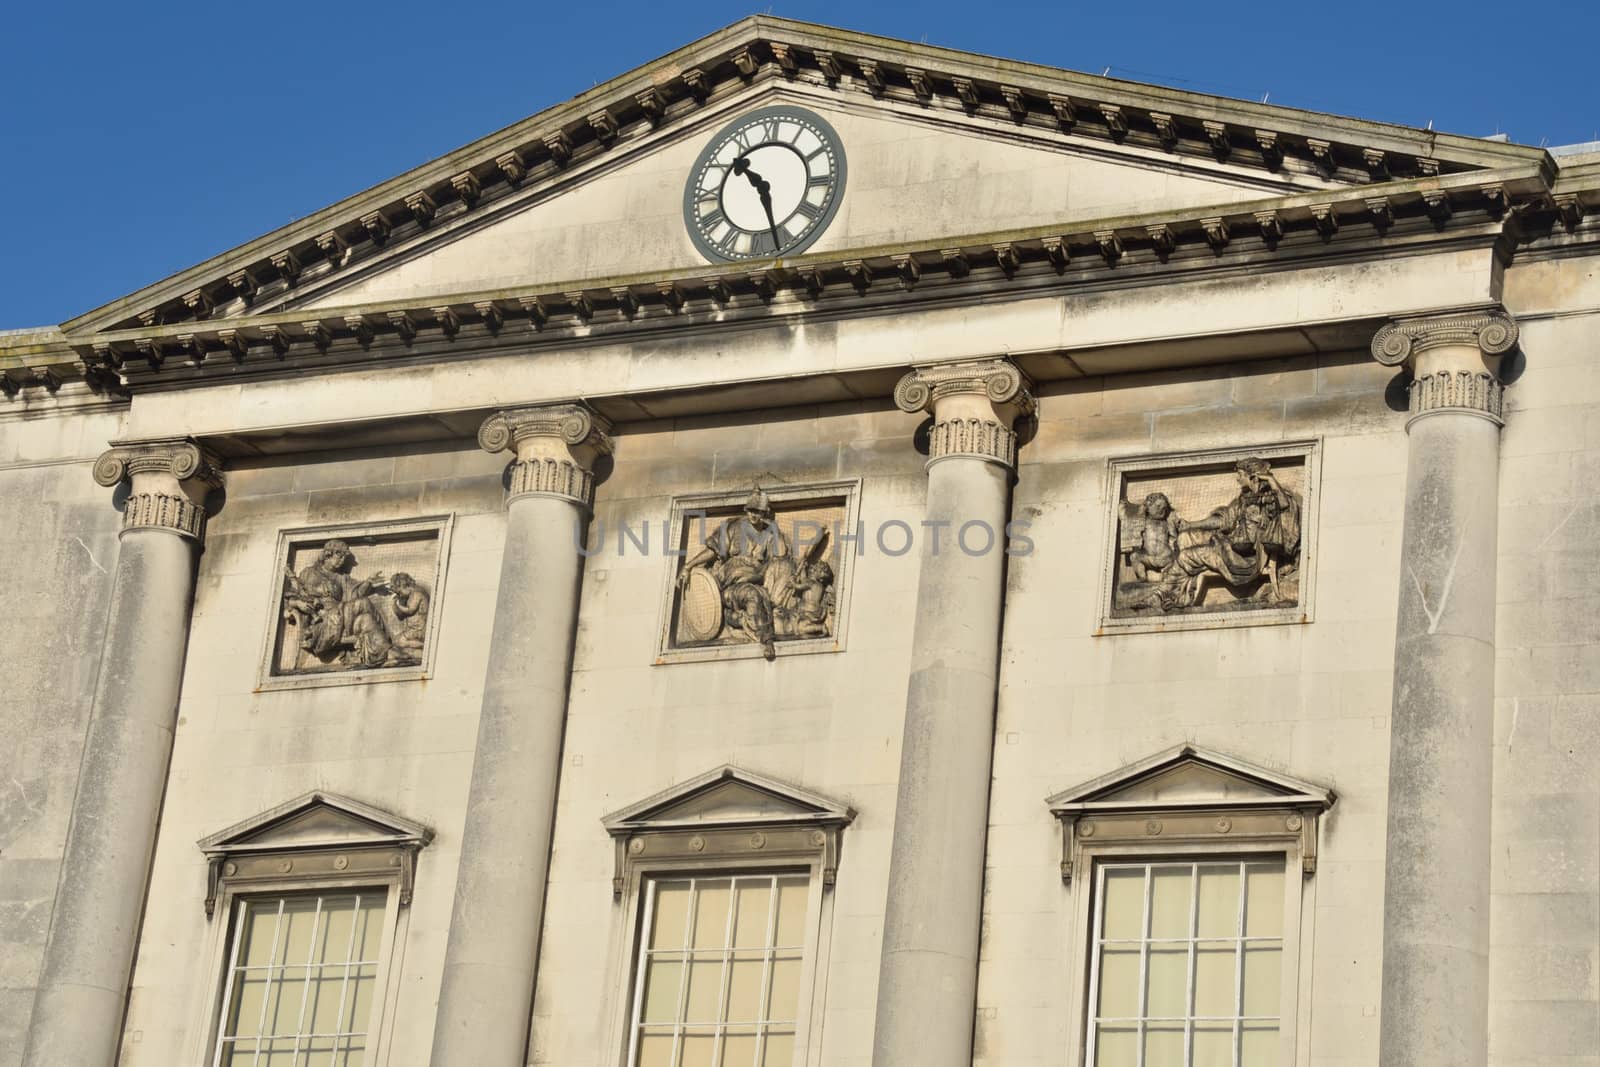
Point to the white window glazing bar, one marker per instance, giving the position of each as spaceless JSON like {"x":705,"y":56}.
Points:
{"x":266,"y":993}
{"x":305,"y":989}
{"x":768,"y":963}
{"x":1188,"y":982}
{"x":1144,"y":964}
{"x":349,"y":954}
{"x":1238,"y":971}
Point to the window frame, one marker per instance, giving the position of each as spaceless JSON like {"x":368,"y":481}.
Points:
{"x":1294,"y":987}
{"x":221,"y":942}
{"x":624,"y":975}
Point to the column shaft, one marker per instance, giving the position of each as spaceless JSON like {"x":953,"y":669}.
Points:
{"x":927,"y":987}
{"x":1441,"y":757}
{"x":927,"y":984}
{"x":486,"y":1000}
{"x":1441,"y":773}
{"x":105,"y":869}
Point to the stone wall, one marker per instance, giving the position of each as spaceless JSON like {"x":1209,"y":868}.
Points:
{"x":1545,"y":882}
{"x":59,"y":530}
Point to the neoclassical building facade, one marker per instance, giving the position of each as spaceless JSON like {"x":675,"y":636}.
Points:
{"x":825,"y":551}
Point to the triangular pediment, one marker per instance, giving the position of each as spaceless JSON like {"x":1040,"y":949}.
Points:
{"x":728,"y":796}
{"x":316,"y":820}
{"x":941,"y":143}
{"x":1189,"y":777}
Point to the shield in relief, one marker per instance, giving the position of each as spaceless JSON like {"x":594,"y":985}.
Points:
{"x":700,"y":609}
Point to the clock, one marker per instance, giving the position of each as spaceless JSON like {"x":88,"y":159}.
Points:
{"x":767,"y":185}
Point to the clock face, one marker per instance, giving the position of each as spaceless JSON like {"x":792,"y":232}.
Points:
{"x":767,"y":185}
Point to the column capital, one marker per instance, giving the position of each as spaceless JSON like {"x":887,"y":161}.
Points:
{"x":1454,"y":360}
{"x":556,"y":447}
{"x":168,"y":480}
{"x":973,"y":405}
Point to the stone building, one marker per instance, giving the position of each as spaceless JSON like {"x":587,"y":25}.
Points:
{"x":1072,"y":572}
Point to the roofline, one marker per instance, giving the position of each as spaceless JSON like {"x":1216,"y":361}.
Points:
{"x":725,"y":61}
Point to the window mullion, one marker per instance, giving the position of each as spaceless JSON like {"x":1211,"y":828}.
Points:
{"x":720,"y":1033}
{"x":349,"y":955}
{"x":768,"y":953}
{"x":1144,"y":963}
{"x":1188,"y":981}
{"x":689,"y":922}
{"x":305,"y":989}
{"x":1238,"y":970}
{"x":266,"y":992}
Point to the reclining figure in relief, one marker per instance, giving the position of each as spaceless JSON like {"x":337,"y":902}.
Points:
{"x":343,"y":622}
{"x":746,"y":579}
{"x":1172,"y":561}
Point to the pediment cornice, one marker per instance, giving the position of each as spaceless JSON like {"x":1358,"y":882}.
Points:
{"x":547,"y":148}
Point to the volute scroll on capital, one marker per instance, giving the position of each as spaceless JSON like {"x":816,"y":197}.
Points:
{"x":168,"y":481}
{"x":974,"y":406}
{"x":1492,"y":333}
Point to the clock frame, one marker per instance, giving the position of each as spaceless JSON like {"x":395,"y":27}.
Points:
{"x":766,"y":185}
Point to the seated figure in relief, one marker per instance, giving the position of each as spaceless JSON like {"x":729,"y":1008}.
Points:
{"x":739,"y":555}
{"x":1256,"y":533}
{"x":338,"y":619}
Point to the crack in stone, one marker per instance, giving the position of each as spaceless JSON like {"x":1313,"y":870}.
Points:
{"x":1444,"y":594}
{"x":92,"y":560}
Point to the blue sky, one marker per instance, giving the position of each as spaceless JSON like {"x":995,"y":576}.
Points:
{"x":139,"y":139}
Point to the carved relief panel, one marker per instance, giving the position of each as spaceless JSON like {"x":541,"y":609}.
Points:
{"x":759,"y":572}
{"x":355,"y":603}
{"x":1216,"y":538}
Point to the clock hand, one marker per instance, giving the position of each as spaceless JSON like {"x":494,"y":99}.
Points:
{"x":763,"y":190}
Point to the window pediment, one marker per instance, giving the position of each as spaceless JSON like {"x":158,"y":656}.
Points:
{"x":315,"y":836}
{"x":1186,"y":797}
{"x":728,"y":814}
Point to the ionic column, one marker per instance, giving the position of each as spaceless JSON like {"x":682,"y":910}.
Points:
{"x":486,"y":1001}
{"x":927,"y":985}
{"x":105,"y":869}
{"x":1436,"y":889}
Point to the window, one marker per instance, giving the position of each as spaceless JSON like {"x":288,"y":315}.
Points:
{"x":1191,"y":876}
{"x":302,"y":971}
{"x":307,"y":903}
{"x":718,"y":981}
{"x":724,"y":911}
{"x":1187,"y":964}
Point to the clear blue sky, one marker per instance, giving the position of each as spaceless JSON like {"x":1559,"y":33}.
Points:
{"x":137,"y":139}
